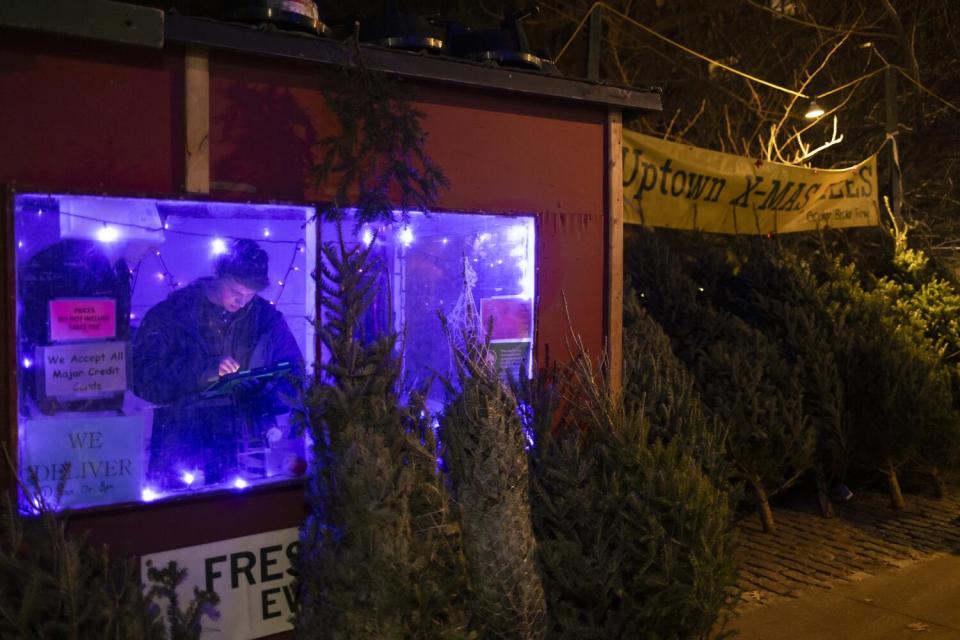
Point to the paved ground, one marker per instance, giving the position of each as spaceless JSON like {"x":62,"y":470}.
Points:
{"x":869,"y":573}
{"x":919,"y":601}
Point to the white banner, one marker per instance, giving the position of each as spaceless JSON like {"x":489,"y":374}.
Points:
{"x":252,"y":575}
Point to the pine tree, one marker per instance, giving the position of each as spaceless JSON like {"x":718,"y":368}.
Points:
{"x":658,"y":386}
{"x":635,"y":541}
{"x":925,"y":310}
{"x":486,"y":459}
{"x":897,"y":392}
{"x":380,"y":553}
{"x":55,"y":586}
{"x":776,"y":293}
{"x":377,"y":158}
{"x":740,"y":374}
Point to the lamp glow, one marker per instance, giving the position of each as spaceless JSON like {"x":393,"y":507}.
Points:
{"x":814,"y":111}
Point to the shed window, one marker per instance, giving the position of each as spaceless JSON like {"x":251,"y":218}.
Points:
{"x":161,"y":345}
{"x":440,"y":264}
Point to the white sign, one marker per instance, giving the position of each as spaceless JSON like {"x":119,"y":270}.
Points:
{"x":101,"y":459}
{"x":85,"y":370}
{"x":252,"y":575}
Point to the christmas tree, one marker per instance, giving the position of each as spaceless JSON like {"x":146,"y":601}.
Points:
{"x":380,"y":553}
{"x":489,"y":475}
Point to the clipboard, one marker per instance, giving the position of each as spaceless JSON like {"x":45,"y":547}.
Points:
{"x":226,"y":384}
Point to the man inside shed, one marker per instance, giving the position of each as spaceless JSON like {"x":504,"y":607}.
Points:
{"x":214,"y":327}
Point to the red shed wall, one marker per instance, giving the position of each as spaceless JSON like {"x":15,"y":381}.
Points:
{"x":502,"y":154}
{"x":80,"y":116}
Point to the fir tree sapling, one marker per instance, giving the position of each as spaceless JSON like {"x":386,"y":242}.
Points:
{"x":377,"y":159}
{"x":380,"y":553}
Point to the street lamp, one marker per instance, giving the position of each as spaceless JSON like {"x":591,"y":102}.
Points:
{"x":814,"y":111}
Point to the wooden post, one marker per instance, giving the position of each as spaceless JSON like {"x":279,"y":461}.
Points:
{"x":593,"y":45}
{"x":197,"y":120}
{"x":614,"y":284}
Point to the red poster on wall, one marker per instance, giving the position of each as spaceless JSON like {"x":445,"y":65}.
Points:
{"x":83,"y":319}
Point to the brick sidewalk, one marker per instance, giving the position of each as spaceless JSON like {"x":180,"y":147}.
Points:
{"x":866,"y":537}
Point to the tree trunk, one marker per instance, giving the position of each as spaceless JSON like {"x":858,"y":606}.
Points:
{"x":766,"y":514}
{"x":823,"y":495}
{"x":939,"y":486}
{"x":896,"y":496}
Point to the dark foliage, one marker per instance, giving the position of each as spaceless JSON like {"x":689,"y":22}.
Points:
{"x":635,"y":542}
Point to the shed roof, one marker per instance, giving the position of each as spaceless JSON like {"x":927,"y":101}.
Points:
{"x":143,"y":26}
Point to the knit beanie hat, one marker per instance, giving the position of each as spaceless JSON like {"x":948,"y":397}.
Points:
{"x":246,"y":263}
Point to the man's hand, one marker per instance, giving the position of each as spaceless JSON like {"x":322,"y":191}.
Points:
{"x":228,"y":365}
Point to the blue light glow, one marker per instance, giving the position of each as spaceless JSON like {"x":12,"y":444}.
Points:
{"x":240,"y":483}
{"x":27,"y":363}
{"x":405,"y":236}
{"x":188,"y":478}
{"x":107,"y":234}
{"x":218,"y":247}
{"x":149,"y":494}
{"x":517,"y":233}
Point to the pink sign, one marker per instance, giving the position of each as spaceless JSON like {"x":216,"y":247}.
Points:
{"x":511,"y":317}
{"x":83,"y":319}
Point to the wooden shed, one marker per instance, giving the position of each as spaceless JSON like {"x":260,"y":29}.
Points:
{"x":132,"y":140}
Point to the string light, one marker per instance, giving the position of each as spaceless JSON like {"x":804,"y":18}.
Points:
{"x":298,"y":248}
{"x":165,"y":228}
{"x":107,"y":234}
{"x":172,"y":282}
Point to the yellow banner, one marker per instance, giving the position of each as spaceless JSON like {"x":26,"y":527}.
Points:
{"x":678,"y":186}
